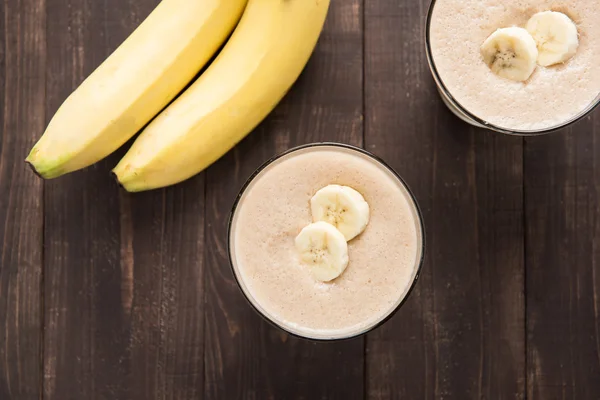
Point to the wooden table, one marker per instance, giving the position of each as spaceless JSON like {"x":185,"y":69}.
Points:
{"x":106,"y":295}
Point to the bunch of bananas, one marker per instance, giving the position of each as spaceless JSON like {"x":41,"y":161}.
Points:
{"x":271,"y":43}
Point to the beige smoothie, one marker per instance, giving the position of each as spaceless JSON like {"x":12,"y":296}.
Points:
{"x":383,"y":259}
{"x":550,"y":96}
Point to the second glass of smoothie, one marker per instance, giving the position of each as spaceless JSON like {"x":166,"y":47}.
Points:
{"x":552,"y":97}
{"x":382,"y":259}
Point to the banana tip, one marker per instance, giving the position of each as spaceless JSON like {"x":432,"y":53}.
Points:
{"x":116,"y":178}
{"x":32,"y":167}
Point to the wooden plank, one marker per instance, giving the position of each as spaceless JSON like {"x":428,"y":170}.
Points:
{"x":562,"y":200}
{"x":124,"y":300}
{"x":166,"y":229}
{"x":461,"y":334}
{"x":22,"y":85}
{"x":245,"y":357}
{"x":86,"y":330}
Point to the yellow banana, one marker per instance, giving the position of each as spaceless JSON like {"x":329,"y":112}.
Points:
{"x":137,"y":81}
{"x":257,"y":66}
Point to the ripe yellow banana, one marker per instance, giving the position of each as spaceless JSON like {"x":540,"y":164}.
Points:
{"x":257,"y":66}
{"x":137,"y":81}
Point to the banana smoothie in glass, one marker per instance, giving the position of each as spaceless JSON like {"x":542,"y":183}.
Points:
{"x":516,"y":66}
{"x":326,"y":241}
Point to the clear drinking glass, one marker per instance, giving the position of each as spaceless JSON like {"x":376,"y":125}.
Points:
{"x":408,"y":195}
{"x":472,"y":119}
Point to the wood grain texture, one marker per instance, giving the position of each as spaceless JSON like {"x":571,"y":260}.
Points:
{"x":22,"y":86}
{"x":86,"y":330}
{"x":461,"y":334}
{"x":246,"y":358}
{"x":562,"y":200}
{"x":167,"y":314}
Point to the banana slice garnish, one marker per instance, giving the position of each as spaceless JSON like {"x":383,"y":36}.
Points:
{"x":323,"y":249}
{"x":555,"y":35}
{"x":510,"y":53}
{"x":342,"y":207}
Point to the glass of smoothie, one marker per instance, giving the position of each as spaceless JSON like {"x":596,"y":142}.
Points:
{"x":326,"y":241}
{"x":523,"y":67}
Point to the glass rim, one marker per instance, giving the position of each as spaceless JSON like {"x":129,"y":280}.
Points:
{"x":420,"y":224}
{"x":479,"y":121}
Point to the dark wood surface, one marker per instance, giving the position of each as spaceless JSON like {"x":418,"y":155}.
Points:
{"x":107,"y":295}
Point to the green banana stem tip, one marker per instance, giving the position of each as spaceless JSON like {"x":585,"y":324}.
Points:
{"x":32,"y":167}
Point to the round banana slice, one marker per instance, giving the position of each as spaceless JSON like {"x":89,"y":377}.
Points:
{"x":323,"y":249}
{"x":510,"y":53}
{"x":555,"y":35}
{"x":342,"y":207}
